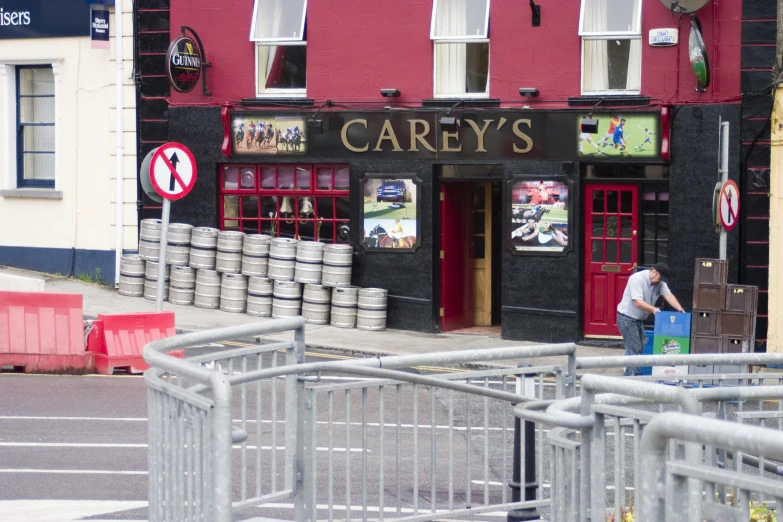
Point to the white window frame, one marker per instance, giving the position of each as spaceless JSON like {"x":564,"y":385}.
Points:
{"x":272,"y":40}
{"x":468,"y":39}
{"x":465,"y":95}
{"x":278,"y":93}
{"x":460,"y":39}
{"x":8,"y":100}
{"x":609,"y":35}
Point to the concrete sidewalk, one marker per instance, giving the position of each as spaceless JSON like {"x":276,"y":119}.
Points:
{"x":350,"y":342}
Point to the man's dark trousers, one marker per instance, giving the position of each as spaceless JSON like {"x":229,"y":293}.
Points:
{"x":633,"y":339}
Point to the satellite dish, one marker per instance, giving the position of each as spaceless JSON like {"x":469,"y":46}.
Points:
{"x":684,"y":6}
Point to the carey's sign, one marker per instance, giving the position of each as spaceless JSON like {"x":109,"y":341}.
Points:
{"x":522,"y":134}
{"x":184,"y":61}
{"x":43,"y":18}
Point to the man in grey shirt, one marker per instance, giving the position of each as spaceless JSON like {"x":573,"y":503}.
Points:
{"x":639,"y":298}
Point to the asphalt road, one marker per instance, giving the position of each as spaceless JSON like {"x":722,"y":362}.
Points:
{"x":75,"y":448}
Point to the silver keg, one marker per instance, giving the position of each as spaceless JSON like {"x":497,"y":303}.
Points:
{"x":282,"y":259}
{"x":131,"y":276}
{"x":344,"y":306}
{"x":178,"y":244}
{"x":309,"y":262}
{"x":203,"y":248}
{"x":229,"y":252}
{"x":233,"y":293}
{"x":151,"y":281}
{"x":182,"y":288}
{"x":371,"y":311}
{"x":259,"y":296}
{"x":255,"y":255}
{"x":149,"y":239}
{"x":207,"y":289}
{"x":338,"y":260}
{"x":316,"y":301}
{"x":286,"y":299}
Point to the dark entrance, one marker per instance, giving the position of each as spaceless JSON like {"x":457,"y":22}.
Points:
{"x":470,"y":246}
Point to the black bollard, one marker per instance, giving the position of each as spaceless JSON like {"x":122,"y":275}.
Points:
{"x":517,"y":515}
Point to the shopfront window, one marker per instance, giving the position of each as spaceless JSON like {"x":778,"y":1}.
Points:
{"x":281,"y":48}
{"x":309,"y":202}
{"x":655,"y":224}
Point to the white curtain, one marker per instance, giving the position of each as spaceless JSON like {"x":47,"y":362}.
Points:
{"x":451,"y":58}
{"x":596,"y":66}
{"x":634,"y":79}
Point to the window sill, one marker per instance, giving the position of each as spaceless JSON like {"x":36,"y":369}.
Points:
{"x":608,"y":100}
{"x":293,"y":99}
{"x":463,"y":102}
{"x":34,"y":193}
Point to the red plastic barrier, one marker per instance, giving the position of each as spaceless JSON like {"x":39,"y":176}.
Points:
{"x":117,"y":339}
{"x":42,"y":332}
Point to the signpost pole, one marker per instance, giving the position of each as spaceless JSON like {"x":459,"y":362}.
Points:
{"x":164,"y":239}
{"x":724,"y":177}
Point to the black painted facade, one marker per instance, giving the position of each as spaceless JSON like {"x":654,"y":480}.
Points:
{"x":530,"y":310}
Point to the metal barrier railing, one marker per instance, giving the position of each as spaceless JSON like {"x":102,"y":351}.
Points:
{"x":243,"y":427}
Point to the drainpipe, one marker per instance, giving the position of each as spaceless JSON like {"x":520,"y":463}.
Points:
{"x":119,"y":171}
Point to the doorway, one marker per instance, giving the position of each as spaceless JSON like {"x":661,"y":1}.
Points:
{"x":470,"y":253}
{"x":611,"y":253}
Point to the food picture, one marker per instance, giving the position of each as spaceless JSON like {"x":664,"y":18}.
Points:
{"x":539,"y":216}
{"x":390,"y":207}
{"x":621,"y":136}
{"x":259,"y":134}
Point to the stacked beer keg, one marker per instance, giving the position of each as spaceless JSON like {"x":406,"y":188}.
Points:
{"x":253,"y":274}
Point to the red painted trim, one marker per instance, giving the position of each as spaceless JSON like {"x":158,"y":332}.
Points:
{"x":665,"y":133}
{"x":226,"y":119}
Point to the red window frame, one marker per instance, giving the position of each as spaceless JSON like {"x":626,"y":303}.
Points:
{"x":270,"y":197}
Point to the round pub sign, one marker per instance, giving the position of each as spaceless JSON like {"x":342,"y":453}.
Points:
{"x":183,"y":64}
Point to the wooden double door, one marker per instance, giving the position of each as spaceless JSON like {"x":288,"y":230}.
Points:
{"x":468,"y":219}
{"x":611,"y":253}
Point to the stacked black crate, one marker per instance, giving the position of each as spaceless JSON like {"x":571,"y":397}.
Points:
{"x":709,"y":297}
{"x":724,"y":315}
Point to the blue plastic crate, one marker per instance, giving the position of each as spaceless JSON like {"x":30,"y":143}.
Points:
{"x":673,"y":324}
{"x":648,"y":350}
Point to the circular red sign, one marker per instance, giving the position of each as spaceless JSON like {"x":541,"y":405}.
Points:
{"x":729,"y":205}
{"x":173,"y":171}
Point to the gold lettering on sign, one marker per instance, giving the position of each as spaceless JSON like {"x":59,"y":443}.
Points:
{"x":448,"y":135}
{"x":480,"y":133}
{"x":344,"y":136}
{"x":420,"y":137}
{"x":518,"y":132}
{"x":387,"y":133}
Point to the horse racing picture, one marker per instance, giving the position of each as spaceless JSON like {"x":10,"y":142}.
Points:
{"x":390,"y":213}
{"x":267,"y":134}
{"x":539,"y":216}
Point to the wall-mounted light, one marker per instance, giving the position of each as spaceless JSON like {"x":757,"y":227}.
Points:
{"x":448,"y":123}
{"x":590,"y":124}
{"x":315,"y":126}
{"x":390,"y":93}
{"x":536,"y":13}
{"x":528,"y":91}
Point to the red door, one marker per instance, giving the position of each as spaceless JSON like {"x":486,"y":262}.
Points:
{"x":611,"y":253}
{"x":456,"y":308}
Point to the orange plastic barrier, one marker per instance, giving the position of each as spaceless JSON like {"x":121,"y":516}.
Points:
{"x":116,"y":340}
{"x":43,"y":332}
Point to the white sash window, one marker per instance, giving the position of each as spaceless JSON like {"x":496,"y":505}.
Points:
{"x":278,"y":28}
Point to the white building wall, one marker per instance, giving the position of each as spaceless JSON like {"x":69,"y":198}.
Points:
{"x":80,"y":212}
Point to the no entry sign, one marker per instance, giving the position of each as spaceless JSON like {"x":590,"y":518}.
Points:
{"x":173,"y":171}
{"x":729,"y":205}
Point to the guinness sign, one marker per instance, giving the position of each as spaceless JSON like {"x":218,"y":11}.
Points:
{"x":184,"y":61}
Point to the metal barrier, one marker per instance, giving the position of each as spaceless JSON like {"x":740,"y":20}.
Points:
{"x":191,"y":432}
{"x":247,"y":426}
